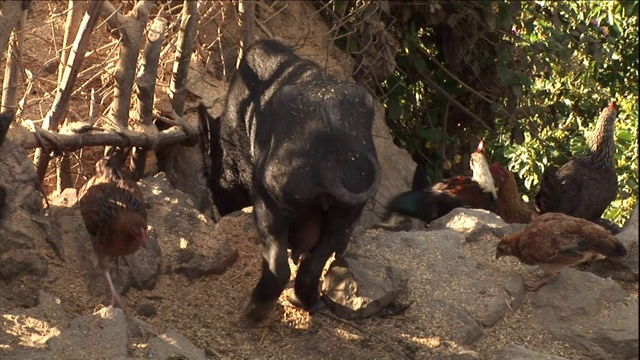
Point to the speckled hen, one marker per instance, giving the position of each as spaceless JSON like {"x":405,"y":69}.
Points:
{"x":114,"y":213}
{"x":586,"y":185}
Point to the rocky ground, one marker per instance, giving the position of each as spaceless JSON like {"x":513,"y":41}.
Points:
{"x":439,"y":291}
{"x":453,"y":300}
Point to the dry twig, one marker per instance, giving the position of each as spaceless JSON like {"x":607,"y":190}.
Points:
{"x":76,"y":56}
{"x":363,"y":330}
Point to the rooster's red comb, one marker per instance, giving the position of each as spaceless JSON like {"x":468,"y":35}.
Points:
{"x":480,"y":146}
{"x":612,"y":105}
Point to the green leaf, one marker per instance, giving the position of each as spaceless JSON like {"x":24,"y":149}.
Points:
{"x":625,"y":135}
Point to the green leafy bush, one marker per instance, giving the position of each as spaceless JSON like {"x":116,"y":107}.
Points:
{"x":581,"y":56}
{"x":531,"y":78}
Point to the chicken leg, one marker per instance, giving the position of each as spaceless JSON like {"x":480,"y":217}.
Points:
{"x":533,"y":286}
{"x":115,"y":298}
{"x":549,"y":273}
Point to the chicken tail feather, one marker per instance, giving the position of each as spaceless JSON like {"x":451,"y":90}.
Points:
{"x":606,"y":246}
{"x":619,"y":250}
{"x":424,"y":205}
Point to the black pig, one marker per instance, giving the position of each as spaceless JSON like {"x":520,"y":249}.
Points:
{"x":296,"y":143}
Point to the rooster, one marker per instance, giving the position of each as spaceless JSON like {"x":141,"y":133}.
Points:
{"x":511,"y":207}
{"x":115,"y":216}
{"x":585,"y":186}
{"x":478,"y":191}
{"x":555,"y":240}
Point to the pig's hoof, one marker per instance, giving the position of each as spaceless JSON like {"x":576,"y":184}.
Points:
{"x":315,"y":306}
{"x":256,"y":313}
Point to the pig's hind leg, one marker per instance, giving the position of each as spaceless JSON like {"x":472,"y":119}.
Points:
{"x":334,"y":237}
{"x":275,"y":265}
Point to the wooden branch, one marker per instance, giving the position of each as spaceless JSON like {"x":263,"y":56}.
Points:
{"x":146,"y":85}
{"x":146,"y":81}
{"x":76,"y":56}
{"x":9,"y":16}
{"x":453,"y":76}
{"x":186,"y":43}
{"x":247,"y":21}
{"x":71,"y":142}
{"x":60,"y":103}
{"x":10,"y":82}
{"x":131,"y":27}
{"x":74,"y":19}
{"x":455,"y":102}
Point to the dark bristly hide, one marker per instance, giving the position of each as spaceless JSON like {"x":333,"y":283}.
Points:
{"x":296,"y":143}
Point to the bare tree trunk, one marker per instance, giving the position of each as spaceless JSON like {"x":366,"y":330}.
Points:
{"x":186,"y":43}
{"x":247,"y":9}
{"x":10,"y":82}
{"x":178,"y":86}
{"x":74,"y":18}
{"x":146,"y":84}
{"x":9,"y":16}
{"x":76,"y":56}
{"x":131,"y":28}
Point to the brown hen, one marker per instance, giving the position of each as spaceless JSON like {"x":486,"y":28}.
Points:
{"x":511,"y":207}
{"x":554,"y":240}
{"x":114,"y":213}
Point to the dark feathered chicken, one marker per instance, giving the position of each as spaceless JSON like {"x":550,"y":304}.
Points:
{"x":585,"y":186}
{"x":114,"y":213}
{"x":554,"y":241}
{"x":478,"y":191}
